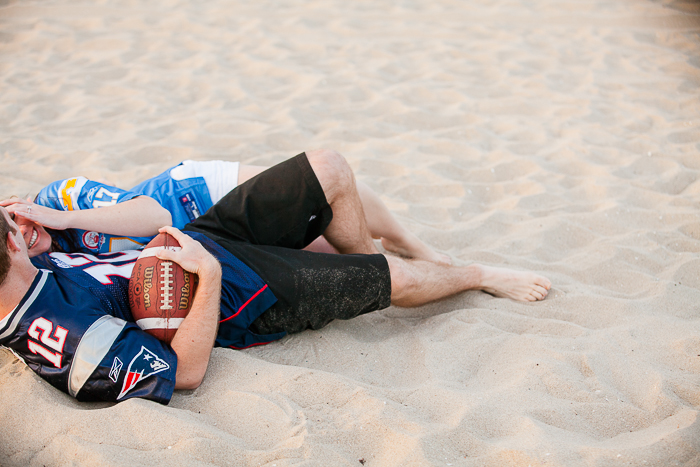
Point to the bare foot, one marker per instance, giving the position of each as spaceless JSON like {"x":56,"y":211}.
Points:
{"x":413,"y":247}
{"x":517,"y":285}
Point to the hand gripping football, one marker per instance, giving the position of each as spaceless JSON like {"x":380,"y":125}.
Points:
{"x":160,"y":292}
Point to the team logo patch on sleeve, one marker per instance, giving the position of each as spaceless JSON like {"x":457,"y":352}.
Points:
{"x":91,"y":240}
{"x":144,"y":364}
{"x":190,"y":206}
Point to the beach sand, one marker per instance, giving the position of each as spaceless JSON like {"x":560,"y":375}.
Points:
{"x":558,"y":136}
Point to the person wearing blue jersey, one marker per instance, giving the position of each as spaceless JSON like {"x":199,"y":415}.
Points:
{"x":66,"y":314}
{"x":185,"y":191}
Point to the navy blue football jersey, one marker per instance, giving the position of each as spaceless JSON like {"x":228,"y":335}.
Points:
{"x":75,"y":330}
{"x":72,"y":328}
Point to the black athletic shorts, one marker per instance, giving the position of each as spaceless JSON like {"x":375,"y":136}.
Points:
{"x":266,"y":221}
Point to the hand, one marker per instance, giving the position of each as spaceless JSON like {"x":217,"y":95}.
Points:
{"x":193,"y":257}
{"x":48,"y":217}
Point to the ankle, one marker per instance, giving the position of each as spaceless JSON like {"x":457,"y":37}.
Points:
{"x":478,"y":274}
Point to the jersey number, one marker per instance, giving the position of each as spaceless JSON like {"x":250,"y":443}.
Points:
{"x":104,"y":267}
{"x":41,"y":330}
{"x":105,"y":194}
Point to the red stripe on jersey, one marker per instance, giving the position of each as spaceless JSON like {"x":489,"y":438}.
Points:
{"x":244,"y":305}
{"x":249,"y":346}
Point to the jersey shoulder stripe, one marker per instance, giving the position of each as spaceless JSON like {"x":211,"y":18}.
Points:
{"x":92,"y":349}
{"x":16,"y":315}
{"x":69,"y":191}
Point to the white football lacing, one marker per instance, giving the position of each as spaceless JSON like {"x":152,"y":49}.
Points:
{"x":166,"y":288}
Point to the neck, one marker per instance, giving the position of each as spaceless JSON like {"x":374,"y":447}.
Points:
{"x":15,"y":286}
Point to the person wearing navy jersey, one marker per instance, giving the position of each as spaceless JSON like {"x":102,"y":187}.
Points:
{"x":66,"y":314}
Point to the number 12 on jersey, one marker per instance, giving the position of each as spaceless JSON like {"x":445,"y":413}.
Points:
{"x":41,"y":330}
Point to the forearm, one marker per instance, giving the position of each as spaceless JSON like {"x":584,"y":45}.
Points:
{"x":139,"y":217}
{"x":195,"y":337}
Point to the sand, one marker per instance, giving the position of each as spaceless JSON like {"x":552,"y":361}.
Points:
{"x":558,"y":136}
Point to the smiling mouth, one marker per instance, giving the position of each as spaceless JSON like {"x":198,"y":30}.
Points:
{"x":32,"y":241}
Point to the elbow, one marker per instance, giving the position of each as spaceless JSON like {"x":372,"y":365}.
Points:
{"x":167,"y":218}
{"x":188,"y":381}
{"x":158,"y":215}
{"x":189,"y":374}
{"x":162,"y":217}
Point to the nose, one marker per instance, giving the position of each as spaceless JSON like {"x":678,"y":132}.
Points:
{"x":25,"y":230}
{"x":26,"y":227}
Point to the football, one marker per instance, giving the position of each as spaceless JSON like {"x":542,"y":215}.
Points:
{"x":160,"y":292}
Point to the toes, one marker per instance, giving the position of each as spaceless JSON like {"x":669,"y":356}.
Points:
{"x":539,"y":292}
{"x":535,"y":296}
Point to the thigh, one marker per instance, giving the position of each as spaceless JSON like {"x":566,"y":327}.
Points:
{"x":282,"y":206}
{"x":313,"y":289}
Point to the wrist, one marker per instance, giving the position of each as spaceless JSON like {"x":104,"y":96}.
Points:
{"x":211,"y":270}
{"x":66,"y":220}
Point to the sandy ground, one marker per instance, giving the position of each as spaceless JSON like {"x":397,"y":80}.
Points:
{"x":560,"y":136}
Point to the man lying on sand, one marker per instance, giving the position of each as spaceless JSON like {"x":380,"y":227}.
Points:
{"x":62,"y":217}
{"x":67,"y":316}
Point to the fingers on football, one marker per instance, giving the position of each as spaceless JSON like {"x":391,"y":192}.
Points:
{"x":175,"y":232}
{"x":165,"y":254}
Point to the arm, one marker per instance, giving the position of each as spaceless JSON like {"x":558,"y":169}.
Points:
{"x":195,"y":337}
{"x":139,"y":217}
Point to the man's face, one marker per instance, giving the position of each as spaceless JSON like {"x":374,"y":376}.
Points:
{"x":36,"y":238}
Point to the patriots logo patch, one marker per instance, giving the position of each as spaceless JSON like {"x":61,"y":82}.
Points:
{"x":144,"y":364}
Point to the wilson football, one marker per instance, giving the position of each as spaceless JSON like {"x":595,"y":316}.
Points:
{"x":160,"y":292}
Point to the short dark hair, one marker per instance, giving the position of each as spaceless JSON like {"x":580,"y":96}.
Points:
{"x":5,"y":228}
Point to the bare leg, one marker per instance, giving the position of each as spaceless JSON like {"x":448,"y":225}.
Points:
{"x":321,"y":245}
{"x":417,"y":282}
{"x":395,"y":237}
{"x":348,"y":231}
{"x":413,"y":282}
{"x":381,"y":223}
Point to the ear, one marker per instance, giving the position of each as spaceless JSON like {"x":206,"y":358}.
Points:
{"x":12,"y":242}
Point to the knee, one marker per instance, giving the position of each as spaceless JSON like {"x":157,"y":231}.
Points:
{"x":328,"y":156}
{"x":331,"y":169}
